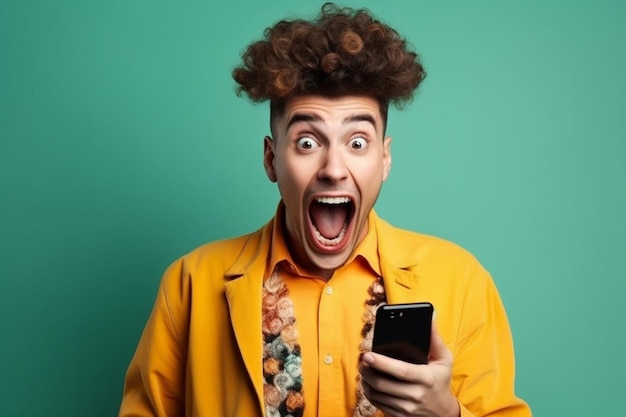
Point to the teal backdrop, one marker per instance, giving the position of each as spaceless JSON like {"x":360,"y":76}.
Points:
{"x":123,"y":146}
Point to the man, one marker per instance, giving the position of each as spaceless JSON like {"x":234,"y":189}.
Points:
{"x":279,"y":322}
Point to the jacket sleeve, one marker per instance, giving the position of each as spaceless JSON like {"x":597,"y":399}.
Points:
{"x":155,"y":379}
{"x":484,"y":362}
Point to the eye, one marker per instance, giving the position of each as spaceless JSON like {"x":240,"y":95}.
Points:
{"x":358,"y":143}
{"x":306,"y":143}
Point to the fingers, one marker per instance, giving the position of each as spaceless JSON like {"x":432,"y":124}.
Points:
{"x":439,"y":352}
{"x":399,"y":388}
{"x":390,"y":395}
{"x":390,"y":405}
{"x":376,"y":364}
{"x":397,"y":397}
{"x":440,"y":355}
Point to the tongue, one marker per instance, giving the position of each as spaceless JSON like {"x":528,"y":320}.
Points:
{"x":329,"y":219}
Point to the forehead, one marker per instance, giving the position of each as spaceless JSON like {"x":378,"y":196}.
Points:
{"x":331,"y":109}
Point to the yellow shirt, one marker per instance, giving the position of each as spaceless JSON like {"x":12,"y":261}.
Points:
{"x":329,"y":317}
{"x":201,"y":351}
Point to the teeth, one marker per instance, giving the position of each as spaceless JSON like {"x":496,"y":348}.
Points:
{"x":333,"y":200}
{"x":331,"y":242}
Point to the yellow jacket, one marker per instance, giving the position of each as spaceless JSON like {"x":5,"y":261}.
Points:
{"x":201,"y":351}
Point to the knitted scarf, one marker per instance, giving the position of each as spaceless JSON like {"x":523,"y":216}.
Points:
{"x":282,"y":360}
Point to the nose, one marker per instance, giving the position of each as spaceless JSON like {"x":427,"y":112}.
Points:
{"x":333,"y":167}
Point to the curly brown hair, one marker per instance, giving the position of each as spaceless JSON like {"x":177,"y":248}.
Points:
{"x":342,"y":52}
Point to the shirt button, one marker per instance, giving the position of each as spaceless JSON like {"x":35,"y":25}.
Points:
{"x":328,"y":360}
{"x":329,"y":290}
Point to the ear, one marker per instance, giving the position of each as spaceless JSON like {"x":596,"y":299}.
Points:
{"x":269,"y":158}
{"x":386,"y":157}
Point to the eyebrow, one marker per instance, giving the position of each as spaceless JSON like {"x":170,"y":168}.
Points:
{"x":306,"y":117}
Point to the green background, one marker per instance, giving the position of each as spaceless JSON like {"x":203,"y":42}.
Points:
{"x":123,"y":145}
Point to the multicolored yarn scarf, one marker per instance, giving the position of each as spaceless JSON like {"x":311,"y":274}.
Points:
{"x":282,"y":360}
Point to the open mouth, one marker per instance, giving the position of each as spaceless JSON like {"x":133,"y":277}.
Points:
{"x":330,"y":218}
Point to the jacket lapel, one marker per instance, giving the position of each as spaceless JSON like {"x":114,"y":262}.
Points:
{"x":400,"y":285}
{"x":243,"y":293}
{"x":398,"y":264}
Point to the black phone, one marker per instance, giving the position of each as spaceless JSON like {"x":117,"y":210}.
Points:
{"x":402,"y":331}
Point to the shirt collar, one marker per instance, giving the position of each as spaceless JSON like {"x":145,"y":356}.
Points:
{"x":367,"y":250}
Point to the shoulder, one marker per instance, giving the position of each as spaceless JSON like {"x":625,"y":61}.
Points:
{"x":446,"y":274}
{"x":216,"y":258}
{"x":222,"y":251}
{"x":443,"y":269}
{"x":402,"y":246}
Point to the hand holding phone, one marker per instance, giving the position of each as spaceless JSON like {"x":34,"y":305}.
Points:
{"x":402,"y":331}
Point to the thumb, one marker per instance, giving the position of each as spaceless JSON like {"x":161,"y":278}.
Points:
{"x":439,"y":352}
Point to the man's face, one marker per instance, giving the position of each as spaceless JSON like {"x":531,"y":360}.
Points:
{"x":330,"y":159}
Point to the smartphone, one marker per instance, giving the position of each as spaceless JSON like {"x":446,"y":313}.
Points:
{"x":402,"y":331}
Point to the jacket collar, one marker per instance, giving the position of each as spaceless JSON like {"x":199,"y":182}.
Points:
{"x":398,"y":262}
{"x":391,"y":248}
